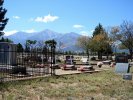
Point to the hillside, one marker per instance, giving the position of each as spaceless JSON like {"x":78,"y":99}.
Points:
{"x":68,"y":39}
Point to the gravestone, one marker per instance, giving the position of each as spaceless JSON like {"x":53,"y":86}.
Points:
{"x":8,"y":53}
{"x":121,"y":59}
{"x":127,"y":76}
{"x":85,"y":60}
{"x":122,"y":65}
{"x":122,"y":68}
{"x":69,"y":59}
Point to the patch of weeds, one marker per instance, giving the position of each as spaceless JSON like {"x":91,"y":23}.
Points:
{"x":107,"y":84}
{"x":20,"y":97}
{"x":71,"y":98}
{"x":10,"y":97}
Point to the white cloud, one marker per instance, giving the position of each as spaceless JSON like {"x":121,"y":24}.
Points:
{"x":84,"y":33}
{"x":78,"y":26}
{"x":46,"y":19}
{"x":29,"y":31}
{"x":7,"y":33}
{"x":16,"y":17}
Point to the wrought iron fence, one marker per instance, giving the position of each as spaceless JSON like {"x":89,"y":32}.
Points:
{"x":18,"y":65}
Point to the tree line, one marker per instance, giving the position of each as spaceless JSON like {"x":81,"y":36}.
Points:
{"x":103,"y":40}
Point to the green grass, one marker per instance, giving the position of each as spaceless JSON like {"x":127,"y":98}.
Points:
{"x":2,"y":74}
{"x":104,"y":85}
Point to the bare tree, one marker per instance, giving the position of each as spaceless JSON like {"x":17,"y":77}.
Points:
{"x":83,"y":42}
{"x":60,"y":46}
{"x":125,"y":35}
{"x":40,"y":45}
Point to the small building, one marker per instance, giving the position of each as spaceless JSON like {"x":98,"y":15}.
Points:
{"x":8,"y":53}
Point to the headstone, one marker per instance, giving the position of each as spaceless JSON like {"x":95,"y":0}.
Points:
{"x":8,"y":53}
{"x":121,"y":59}
{"x":69,"y":59}
{"x":127,"y":76}
{"x":121,"y":67}
{"x":84,"y":60}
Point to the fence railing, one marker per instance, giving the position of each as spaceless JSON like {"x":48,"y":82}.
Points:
{"x":17,"y":65}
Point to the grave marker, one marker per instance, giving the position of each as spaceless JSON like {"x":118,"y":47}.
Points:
{"x":122,"y":65}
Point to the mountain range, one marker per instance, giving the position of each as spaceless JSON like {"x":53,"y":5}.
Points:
{"x":68,"y":40}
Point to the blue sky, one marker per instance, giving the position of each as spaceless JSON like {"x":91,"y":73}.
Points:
{"x":63,"y":16}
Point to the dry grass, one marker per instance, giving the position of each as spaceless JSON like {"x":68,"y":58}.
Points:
{"x":104,"y":85}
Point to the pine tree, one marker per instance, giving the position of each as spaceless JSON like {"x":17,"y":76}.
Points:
{"x":99,"y":40}
{"x":99,"y":29}
{"x":6,"y":40}
{"x":3,"y":20}
{"x":19,"y":47}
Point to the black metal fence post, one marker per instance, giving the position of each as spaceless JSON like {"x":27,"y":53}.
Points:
{"x":53,"y":52}
{"x":51,"y":61}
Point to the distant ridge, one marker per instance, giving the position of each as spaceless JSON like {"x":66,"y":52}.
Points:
{"x":68,"y":40}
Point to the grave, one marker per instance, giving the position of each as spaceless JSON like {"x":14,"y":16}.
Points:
{"x":8,"y":53}
{"x":127,"y":76}
{"x":69,"y":59}
{"x":122,"y":65}
{"x":69,"y":63}
{"x":107,"y":62}
{"x":85,"y":60}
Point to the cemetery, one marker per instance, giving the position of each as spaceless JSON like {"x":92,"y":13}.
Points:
{"x":50,"y":50}
{"x":15,"y":65}
{"x":52,"y":73}
{"x":21,"y":64}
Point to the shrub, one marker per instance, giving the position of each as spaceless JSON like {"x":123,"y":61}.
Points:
{"x":18,"y":69}
{"x":93,"y":58}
